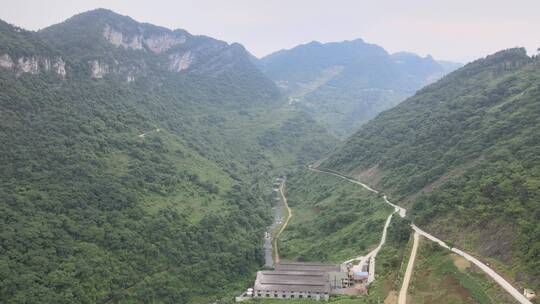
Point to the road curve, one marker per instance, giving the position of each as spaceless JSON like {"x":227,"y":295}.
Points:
{"x":490,"y":272}
{"x":402,"y":299}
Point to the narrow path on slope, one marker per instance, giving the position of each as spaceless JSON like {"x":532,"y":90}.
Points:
{"x":402,"y":211}
{"x":373,"y":254}
{"x":285,"y":223}
{"x":490,"y":272}
{"x":402,"y":299}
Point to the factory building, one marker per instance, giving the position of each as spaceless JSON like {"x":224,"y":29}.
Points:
{"x":306,"y":266}
{"x":295,"y":280}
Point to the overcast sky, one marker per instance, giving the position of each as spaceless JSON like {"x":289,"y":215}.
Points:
{"x":459,"y":30}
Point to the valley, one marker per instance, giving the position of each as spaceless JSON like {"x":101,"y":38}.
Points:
{"x":485,"y":290}
{"x":491,"y":287}
{"x":146,"y":164}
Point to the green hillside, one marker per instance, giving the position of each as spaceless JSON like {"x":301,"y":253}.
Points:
{"x":463,"y":153}
{"x":132,"y":172}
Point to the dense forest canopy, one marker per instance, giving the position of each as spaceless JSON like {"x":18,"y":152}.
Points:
{"x":132,"y":172}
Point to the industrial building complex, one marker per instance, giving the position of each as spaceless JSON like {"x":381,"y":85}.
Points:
{"x":302,"y":280}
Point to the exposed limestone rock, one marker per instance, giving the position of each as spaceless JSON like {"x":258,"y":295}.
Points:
{"x":160,"y":44}
{"x":117,"y":38}
{"x":157,"y":44}
{"x":6,"y":62}
{"x":46,"y":63}
{"x":180,"y":61}
{"x":33,"y":65}
{"x":28,"y":65}
{"x":60,"y":67}
{"x":99,"y":69}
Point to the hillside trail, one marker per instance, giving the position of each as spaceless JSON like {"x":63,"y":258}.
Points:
{"x":514,"y":292}
{"x":402,"y":299}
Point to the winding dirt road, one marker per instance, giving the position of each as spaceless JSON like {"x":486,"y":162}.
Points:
{"x":402,"y":212}
{"x":373,"y":254}
{"x":402,"y":299}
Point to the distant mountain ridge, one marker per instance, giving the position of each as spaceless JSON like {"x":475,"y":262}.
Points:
{"x":344,"y":84}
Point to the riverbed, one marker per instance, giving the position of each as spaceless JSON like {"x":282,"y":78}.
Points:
{"x":278,"y":211}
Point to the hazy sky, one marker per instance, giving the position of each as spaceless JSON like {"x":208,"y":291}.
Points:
{"x":458,"y":30}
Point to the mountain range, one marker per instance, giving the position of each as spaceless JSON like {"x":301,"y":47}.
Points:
{"x":344,"y":84}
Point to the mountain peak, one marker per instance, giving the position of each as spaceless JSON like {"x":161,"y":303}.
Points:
{"x":99,"y":15}
{"x":357,"y":40}
{"x":313,"y":43}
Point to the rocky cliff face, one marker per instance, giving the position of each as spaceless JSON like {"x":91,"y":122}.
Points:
{"x":162,"y":43}
{"x":98,"y":69}
{"x":6,"y":61}
{"x":103,"y":46}
{"x":118,"y":39}
{"x":158,"y":43}
{"x":182,"y":52}
{"x":33,"y":64}
{"x":180,"y":61}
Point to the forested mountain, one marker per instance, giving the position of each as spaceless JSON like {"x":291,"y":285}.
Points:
{"x":464,"y":154}
{"x":135,"y":162}
{"x":344,"y":84}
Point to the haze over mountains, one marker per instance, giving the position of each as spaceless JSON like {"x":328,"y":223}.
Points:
{"x":138,"y":161}
{"x":344,"y":84}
